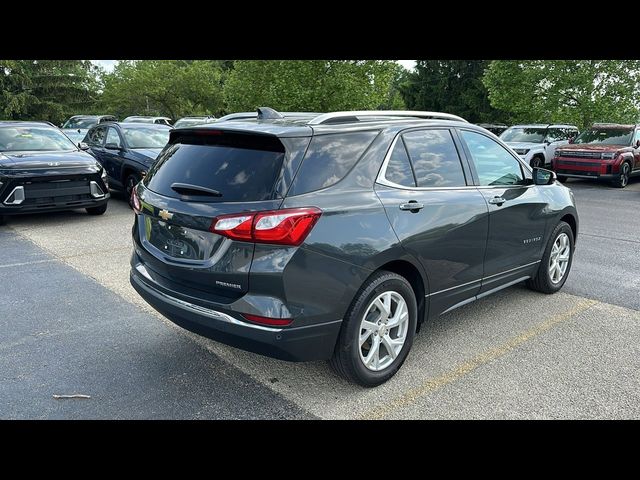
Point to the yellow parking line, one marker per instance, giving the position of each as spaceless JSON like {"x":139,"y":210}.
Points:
{"x":434,"y":384}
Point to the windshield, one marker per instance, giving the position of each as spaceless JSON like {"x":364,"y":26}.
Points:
{"x":141,"y":137}
{"x":190,"y":122}
{"x":606,"y":136}
{"x":80,"y":123}
{"x":29,"y":139}
{"x":532,"y":135}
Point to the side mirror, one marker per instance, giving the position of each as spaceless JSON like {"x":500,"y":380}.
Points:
{"x":83,"y":146}
{"x":542,"y":176}
{"x":112,"y":146}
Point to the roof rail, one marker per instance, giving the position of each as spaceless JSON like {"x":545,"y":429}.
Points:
{"x":335,"y":117}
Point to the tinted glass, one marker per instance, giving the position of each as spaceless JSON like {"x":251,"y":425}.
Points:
{"x":555,"y":135}
{"x":113,"y":137}
{"x":519,"y":134}
{"x":149,"y":137}
{"x":399,"y":168}
{"x":243,"y":171}
{"x":21,"y":139}
{"x":637,"y":137}
{"x":606,"y":136}
{"x":96,"y":136}
{"x":189,"y":122}
{"x":80,"y":123}
{"x":329,"y":158}
{"x":435,"y":159}
{"x":494,"y":164}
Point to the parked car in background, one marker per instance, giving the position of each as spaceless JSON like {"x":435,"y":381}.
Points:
{"x":536,"y":144}
{"x":238,"y":116}
{"x":41,"y":170}
{"x":144,"y":119}
{"x":126,"y":150}
{"x":77,"y":126}
{"x":495,"y":128}
{"x":191,"y":121}
{"x":336,"y":237}
{"x":607,"y":151}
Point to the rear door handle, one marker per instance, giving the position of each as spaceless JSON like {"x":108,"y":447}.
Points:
{"x":497,"y":200}
{"x":412,"y":206}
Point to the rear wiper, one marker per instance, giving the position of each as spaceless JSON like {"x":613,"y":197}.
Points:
{"x":188,"y":189}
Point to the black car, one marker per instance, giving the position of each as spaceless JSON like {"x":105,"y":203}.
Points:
{"x":42,"y":170}
{"x":126,"y":150}
{"x":338,"y":237}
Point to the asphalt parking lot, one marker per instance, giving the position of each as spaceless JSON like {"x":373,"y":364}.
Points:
{"x":71,"y":324}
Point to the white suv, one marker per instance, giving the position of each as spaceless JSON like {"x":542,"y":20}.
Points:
{"x":536,"y":144}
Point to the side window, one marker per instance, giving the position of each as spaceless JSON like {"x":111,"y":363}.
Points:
{"x":96,"y":136}
{"x":399,"y":168}
{"x":555,"y":135}
{"x":494,"y":164}
{"x":113,"y":137}
{"x":636,"y":138}
{"x":435,"y":159}
{"x":329,"y":158}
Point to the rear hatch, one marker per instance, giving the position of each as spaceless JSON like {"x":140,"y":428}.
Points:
{"x":199,"y":176}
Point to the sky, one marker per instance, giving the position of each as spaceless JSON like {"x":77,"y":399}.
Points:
{"x":109,"y":64}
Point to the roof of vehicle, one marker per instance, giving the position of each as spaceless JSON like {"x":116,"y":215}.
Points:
{"x":305,"y":124}
{"x":90,"y":116}
{"x":145,"y":117}
{"x":614,"y":125}
{"x":544,"y":125}
{"x":134,"y":125}
{"x":27,"y":123}
{"x":195,"y":117}
{"x":254,"y":114}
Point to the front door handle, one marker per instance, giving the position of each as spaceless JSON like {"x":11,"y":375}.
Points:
{"x":497,"y":201}
{"x":412,"y":206}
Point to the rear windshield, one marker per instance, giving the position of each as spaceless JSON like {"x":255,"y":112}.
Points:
{"x":239,"y":167}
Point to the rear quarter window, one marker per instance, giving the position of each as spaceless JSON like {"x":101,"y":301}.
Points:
{"x":329,"y":158}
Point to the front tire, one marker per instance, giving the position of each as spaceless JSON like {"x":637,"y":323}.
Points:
{"x":556,"y":261}
{"x":623,"y":180}
{"x":562,"y":179}
{"x":3,"y":220}
{"x":377,"y":331}
{"x":97,"y":210}
{"x":537,"y":162}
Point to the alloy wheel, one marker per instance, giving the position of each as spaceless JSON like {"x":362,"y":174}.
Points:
{"x":383,"y":330}
{"x":559,"y":258}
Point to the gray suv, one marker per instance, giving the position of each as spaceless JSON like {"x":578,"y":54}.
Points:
{"x":338,"y":236}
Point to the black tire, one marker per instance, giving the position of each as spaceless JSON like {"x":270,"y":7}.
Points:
{"x":130,"y":182}
{"x":623,"y":180}
{"x":97,"y":210}
{"x":542,"y":281}
{"x":562,"y":179}
{"x":537,"y":162}
{"x":3,"y":220}
{"x":346,"y":359}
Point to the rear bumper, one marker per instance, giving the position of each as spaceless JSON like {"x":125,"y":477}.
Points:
{"x":297,"y":344}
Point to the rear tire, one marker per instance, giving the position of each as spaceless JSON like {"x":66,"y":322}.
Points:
{"x":130,"y":182}
{"x":623,"y":180}
{"x":549,"y":279}
{"x":374,"y":340}
{"x":97,"y":210}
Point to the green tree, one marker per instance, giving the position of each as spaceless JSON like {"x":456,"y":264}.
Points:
{"x":310,"y":85}
{"x":575,"y":91}
{"x":451,"y":86}
{"x":174,"y":88}
{"x":47,"y":89}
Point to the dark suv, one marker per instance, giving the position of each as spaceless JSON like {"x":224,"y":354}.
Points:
{"x":607,"y":151}
{"x":336,"y":236}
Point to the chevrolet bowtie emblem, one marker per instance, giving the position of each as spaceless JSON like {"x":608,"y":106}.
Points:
{"x":165,"y":215}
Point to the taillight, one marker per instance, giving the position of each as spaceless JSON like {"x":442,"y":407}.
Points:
{"x":135,"y":201}
{"x":276,"y":322}
{"x":289,"y":226}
